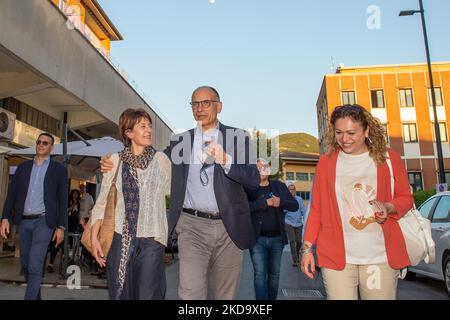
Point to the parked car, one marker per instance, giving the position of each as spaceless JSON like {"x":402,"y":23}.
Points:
{"x":437,"y":210}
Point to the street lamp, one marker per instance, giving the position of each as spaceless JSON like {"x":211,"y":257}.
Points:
{"x":433,"y":95}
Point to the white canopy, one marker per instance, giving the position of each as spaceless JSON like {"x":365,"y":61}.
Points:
{"x":98,"y":148}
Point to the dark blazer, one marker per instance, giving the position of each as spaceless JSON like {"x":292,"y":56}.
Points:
{"x":228,"y":188}
{"x":55,"y":194}
{"x":258,"y":206}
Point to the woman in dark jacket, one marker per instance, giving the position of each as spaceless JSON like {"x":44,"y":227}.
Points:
{"x":267,"y":205}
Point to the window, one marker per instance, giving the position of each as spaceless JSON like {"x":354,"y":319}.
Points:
{"x":442,"y":209}
{"x":377,"y":98}
{"x":415,"y":180}
{"x":409,"y":132}
{"x":386,"y":134}
{"x":348,"y":97}
{"x":290,"y":176}
{"x":437,"y":94}
{"x":301,"y":176}
{"x":447,"y":177}
{"x":406,"y":98}
{"x":442,"y":131}
{"x":426,"y":207}
{"x":312,"y":176}
{"x":304,"y":194}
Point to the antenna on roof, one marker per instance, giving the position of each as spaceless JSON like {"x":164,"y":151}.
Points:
{"x":332,"y":67}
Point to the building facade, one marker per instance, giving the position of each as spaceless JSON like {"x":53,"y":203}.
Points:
{"x":299,"y":169}
{"x":54,"y":65}
{"x":400,"y":96}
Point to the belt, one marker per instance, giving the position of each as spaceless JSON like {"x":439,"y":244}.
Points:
{"x":33,"y":216}
{"x":207,"y":215}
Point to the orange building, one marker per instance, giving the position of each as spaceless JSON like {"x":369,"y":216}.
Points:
{"x":89,"y":18}
{"x":400,"y":96}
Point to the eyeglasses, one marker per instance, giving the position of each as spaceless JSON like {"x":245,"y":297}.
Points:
{"x":205,"y":103}
{"x":44,"y":143}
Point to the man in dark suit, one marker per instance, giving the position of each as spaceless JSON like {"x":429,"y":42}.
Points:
{"x":37,"y":203}
{"x":208,"y":204}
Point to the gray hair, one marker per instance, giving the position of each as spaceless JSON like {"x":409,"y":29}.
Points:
{"x":262,"y":160}
{"x":210,"y":89}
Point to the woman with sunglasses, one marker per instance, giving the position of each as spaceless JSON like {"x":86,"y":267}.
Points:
{"x":353,"y":217}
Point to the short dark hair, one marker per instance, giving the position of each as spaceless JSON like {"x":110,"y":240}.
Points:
{"x":128,"y":119}
{"x":216,"y":93}
{"x":46,"y":134}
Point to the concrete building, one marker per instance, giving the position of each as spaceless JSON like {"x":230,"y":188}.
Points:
{"x":400,"y":96}
{"x":299,"y":168}
{"x":55,"y":61}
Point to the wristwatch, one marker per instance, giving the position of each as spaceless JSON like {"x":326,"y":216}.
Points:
{"x":62,"y":228}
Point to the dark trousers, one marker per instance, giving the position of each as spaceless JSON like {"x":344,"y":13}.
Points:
{"x":34,"y":239}
{"x":54,"y":250}
{"x":294,"y":235}
{"x":146,"y":275}
{"x":266,"y":259}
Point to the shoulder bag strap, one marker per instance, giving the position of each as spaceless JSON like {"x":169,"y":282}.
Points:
{"x":117,"y":172}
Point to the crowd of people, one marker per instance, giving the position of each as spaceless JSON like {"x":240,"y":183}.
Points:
{"x":222,"y":202}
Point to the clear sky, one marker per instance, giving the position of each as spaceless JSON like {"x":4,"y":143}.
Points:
{"x":267,"y":58}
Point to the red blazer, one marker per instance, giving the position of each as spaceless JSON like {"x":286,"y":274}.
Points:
{"x":324,"y":225}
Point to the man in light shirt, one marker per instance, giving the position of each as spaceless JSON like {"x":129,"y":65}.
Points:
{"x":37,"y":203}
{"x":86,"y":205}
{"x":208,"y":206}
{"x":294,"y":224}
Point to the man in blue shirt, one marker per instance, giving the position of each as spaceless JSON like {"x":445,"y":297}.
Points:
{"x":294,"y":221}
{"x":37,"y":202}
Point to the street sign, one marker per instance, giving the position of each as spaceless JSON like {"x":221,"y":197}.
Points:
{"x":441,"y":187}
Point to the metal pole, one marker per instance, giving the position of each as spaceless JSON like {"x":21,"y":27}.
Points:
{"x":433,"y":98}
{"x":66,"y":237}
{"x":78,"y":136}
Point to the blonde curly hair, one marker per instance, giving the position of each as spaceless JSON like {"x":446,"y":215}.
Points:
{"x":376,"y":143}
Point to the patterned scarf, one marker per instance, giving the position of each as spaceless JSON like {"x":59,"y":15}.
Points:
{"x":130,"y":190}
{"x":140,"y":161}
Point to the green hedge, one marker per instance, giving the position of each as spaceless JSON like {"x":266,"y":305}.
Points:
{"x":421,"y":196}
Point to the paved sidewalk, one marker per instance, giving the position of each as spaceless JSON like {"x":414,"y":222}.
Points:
{"x":293,"y":285}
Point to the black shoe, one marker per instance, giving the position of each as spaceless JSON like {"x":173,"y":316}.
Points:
{"x":50,"y":269}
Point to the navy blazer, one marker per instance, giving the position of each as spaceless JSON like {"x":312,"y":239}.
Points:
{"x":228,"y":188}
{"x":55,"y":194}
{"x":257,"y":206}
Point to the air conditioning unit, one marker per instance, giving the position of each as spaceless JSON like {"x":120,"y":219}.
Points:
{"x":7,"y":123}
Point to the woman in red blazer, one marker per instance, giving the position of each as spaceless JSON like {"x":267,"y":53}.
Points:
{"x":354,"y":213}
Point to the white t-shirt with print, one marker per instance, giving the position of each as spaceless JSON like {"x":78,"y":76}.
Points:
{"x":356,"y":186}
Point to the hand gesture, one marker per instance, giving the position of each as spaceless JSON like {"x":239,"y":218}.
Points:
{"x":381,"y":215}
{"x":4,"y":228}
{"x":308,"y":265}
{"x":58,"y":236}
{"x":106,"y":164}
{"x":216,"y":151}
{"x":97,"y":252}
{"x":276,"y":202}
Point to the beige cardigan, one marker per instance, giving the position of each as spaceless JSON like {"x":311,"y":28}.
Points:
{"x":154,"y":185}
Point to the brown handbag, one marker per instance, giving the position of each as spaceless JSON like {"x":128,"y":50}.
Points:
{"x":107,"y":227}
